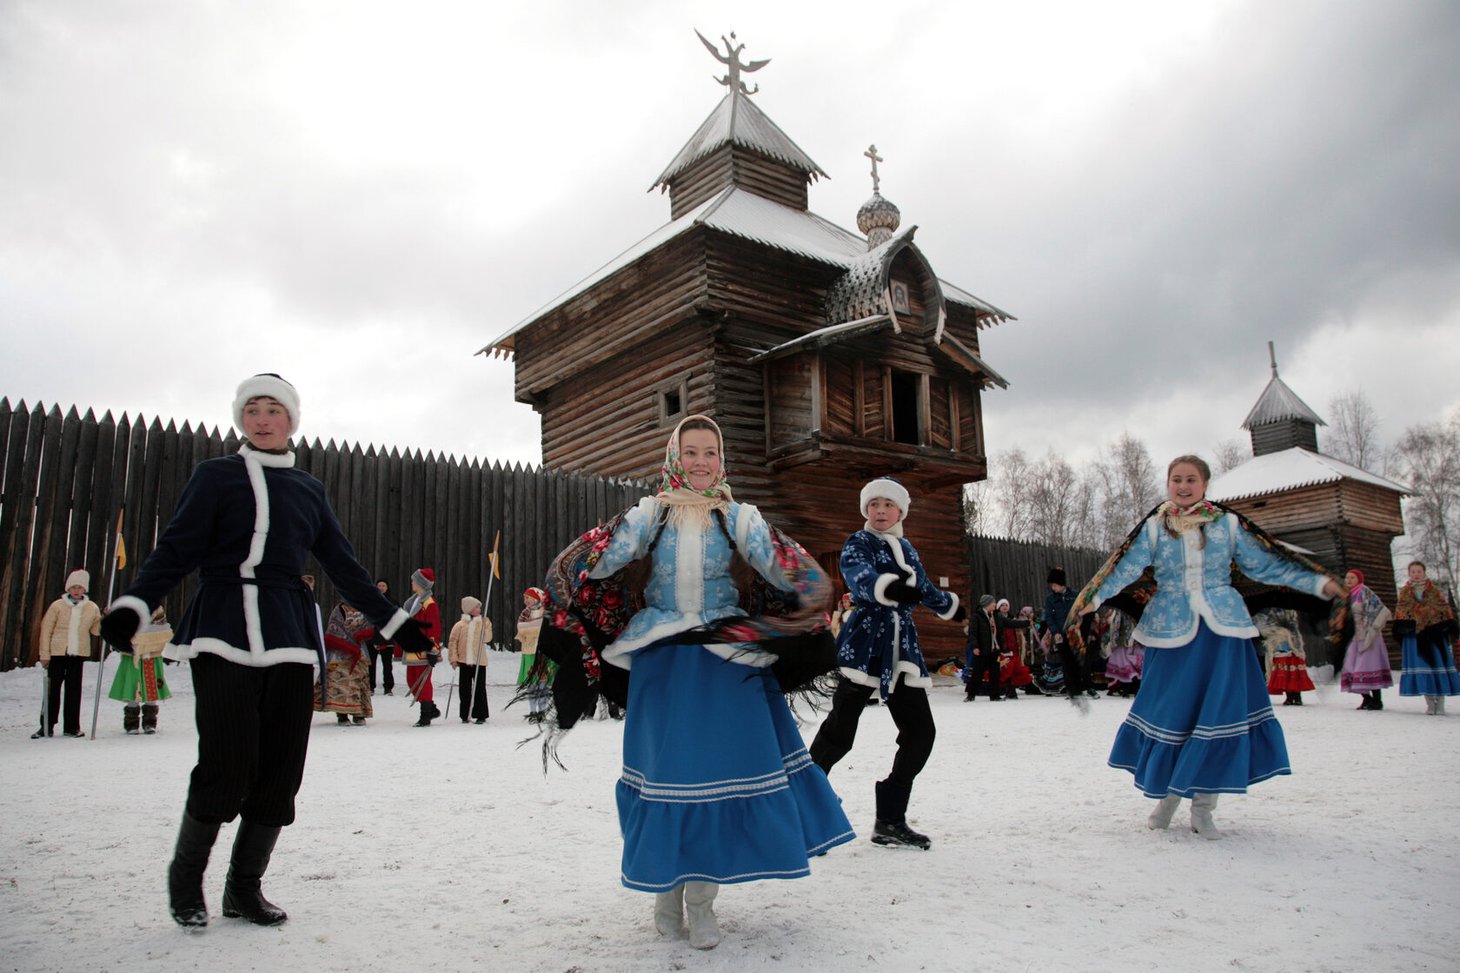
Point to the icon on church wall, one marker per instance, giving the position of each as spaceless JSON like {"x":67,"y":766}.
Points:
{"x":899,"y":298}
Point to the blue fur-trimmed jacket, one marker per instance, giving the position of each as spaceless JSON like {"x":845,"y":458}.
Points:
{"x":1194,"y":583}
{"x":878,"y":640}
{"x":245,"y":523}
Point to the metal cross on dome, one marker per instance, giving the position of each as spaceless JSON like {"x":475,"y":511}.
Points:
{"x":871,"y":153}
{"x":731,"y":59}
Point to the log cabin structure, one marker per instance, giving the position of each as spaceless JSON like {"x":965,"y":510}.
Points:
{"x":1339,"y":514}
{"x":827,"y":357}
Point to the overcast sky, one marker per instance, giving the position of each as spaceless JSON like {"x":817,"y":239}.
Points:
{"x":359,"y":195}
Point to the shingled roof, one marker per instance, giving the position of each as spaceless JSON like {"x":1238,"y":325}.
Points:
{"x":737,"y":121}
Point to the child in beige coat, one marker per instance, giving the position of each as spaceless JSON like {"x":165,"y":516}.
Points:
{"x":466,"y":650}
{"x":66,"y":630}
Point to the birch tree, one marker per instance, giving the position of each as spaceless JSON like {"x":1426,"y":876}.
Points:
{"x":1427,"y":461}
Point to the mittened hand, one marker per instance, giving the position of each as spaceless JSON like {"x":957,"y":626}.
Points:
{"x":118,"y":627}
{"x":903,"y":593}
{"x":411,"y":637}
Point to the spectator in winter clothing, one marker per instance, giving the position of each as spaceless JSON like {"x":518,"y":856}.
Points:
{"x":382,"y":652}
{"x":878,"y":650}
{"x":66,"y":630}
{"x":983,"y":652}
{"x":1057,"y":606}
{"x":467,"y":653}
{"x":140,"y":683}
{"x":245,"y":523}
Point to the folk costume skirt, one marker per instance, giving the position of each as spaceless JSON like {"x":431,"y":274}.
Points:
{"x":1289,"y":675}
{"x":1201,"y":722}
{"x":717,"y":785}
{"x":1366,"y":666}
{"x":139,"y":682}
{"x":1429,"y":668}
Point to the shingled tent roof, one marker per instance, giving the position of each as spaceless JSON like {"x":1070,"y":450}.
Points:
{"x":737,"y":121}
{"x":1278,"y":403}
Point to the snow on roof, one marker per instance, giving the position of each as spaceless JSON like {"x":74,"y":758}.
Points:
{"x":737,"y":120}
{"x":753,"y":217}
{"x":1289,"y":470}
{"x":1278,"y":402}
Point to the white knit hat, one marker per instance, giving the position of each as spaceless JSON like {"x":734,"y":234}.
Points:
{"x":470,"y":604}
{"x":80,"y":577}
{"x":888,"y":489}
{"x":274,"y":387}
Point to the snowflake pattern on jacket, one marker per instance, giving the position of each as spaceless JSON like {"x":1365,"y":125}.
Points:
{"x":878,"y":640}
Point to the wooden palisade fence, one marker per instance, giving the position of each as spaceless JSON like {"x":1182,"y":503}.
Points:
{"x":64,"y":479}
{"x":1017,"y":570}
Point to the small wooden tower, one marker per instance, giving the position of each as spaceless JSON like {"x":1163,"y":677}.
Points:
{"x":826,"y":357}
{"x":1344,"y":516}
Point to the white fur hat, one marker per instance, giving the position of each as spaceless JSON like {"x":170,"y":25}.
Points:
{"x":266,"y":383}
{"x":888,"y":489}
{"x":470,"y":604}
{"x":83,"y":578}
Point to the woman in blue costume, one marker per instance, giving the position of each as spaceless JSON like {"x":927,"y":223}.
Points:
{"x":1201,"y":724}
{"x":717,"y":787}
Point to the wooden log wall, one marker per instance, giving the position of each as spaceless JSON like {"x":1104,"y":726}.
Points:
{"x":64,"y":479}
{"x":735,"y":165}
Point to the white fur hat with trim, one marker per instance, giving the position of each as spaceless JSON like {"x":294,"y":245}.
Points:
{"x":888,"y":489}
{"x":266,"y":383}
{"x":78,"y":577}
{"x":470,"y":604}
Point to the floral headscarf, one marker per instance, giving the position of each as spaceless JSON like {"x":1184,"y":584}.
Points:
{"x":686,"y":504}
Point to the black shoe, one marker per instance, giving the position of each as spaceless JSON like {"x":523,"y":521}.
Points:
{"x":970,"y":699}
{"x":996,"y":699}
{"x":185,"y":872}
{"x":42,"y":733}
{"x":480,"y":720}
{"x":342,"y":719}
{"x":74,"y":733}
{"x":898,"y":835}
{"x":390,"y":692}
{"x":243,"y":897}
{"x":359,"y":720}
{"x":149,"y":730}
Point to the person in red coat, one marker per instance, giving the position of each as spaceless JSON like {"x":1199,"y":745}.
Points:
{"x":423,"y":609}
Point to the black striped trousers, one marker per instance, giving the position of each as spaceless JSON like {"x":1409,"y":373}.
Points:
{"x":253,"y":735}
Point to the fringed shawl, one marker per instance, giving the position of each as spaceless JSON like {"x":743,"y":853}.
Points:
{"x":1133,"y":598}
{"x":583,"y":615}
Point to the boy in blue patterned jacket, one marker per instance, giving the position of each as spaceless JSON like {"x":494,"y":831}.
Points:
{"x":878,"y":648}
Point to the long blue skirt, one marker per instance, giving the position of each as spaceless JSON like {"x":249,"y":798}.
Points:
{"x":1201,"y":722}
{"x":717,"y":785}
{"x":1430,"y":673}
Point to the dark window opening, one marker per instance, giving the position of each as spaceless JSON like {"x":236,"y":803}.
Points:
{"x":906,"y":408}
{"x":672,"y":402}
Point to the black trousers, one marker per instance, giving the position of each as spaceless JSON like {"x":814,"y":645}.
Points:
{"x":986,"y":661}
{"x":386,"y":654}
{"x":65,"y":670}
{"x":472,"y":680}
{"x":253,"y":735}
{"x":910,"y":712}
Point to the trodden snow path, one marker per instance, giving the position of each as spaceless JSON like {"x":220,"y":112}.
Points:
{"x":448,"y":849}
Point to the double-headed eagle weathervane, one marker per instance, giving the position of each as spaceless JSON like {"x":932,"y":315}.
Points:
{"x":731,"y":60}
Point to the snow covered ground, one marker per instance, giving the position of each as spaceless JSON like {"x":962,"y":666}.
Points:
{"x":448,"y":849}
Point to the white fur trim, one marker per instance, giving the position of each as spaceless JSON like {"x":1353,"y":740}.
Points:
{"x":244,"y":657}
{"x":396,"y":621}
{"x":879,"y":589}
{"x":132,"y":603}
{"x":277,"y":461}
{"x":689,"y":571}
{"x":904,"y":671}
{"x":887,"y":489}
{"x":272,"y":386}
{"x":253,"y":622}
{"x":952,"y":609}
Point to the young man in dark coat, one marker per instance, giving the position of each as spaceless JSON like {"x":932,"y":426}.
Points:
{"x":983,"y":651}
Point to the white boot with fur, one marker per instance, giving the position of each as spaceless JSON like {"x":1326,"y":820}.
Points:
{"x":1160,"y":818}
{"x":699,"y":902}
{"x":669,"y":912}
{"x":1202,"y":806}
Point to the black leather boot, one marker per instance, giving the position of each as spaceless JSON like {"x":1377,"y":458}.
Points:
{"x":185,"y":873}
{"x":891,"y":828}
{"x":242,"y":895}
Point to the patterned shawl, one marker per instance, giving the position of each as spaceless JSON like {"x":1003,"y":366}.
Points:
{"x":584,"y":615}
{"x":1134,"y":597}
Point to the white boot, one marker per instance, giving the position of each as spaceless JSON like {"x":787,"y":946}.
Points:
{"x":1429,"y":705}
{"x":1160,"y":818}
{"x":1202,"y":806}
{"x":1439,"y":706}
{"x":669,"y":912}
{"x":699,"y":906}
